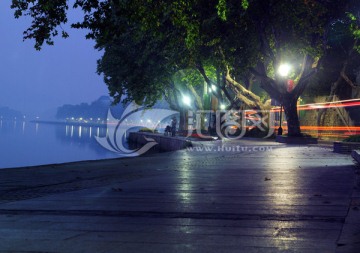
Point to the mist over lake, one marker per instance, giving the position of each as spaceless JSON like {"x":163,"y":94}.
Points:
{"x":25,"y":143}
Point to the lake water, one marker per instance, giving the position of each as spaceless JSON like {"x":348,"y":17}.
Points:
{"x":28,"y":144}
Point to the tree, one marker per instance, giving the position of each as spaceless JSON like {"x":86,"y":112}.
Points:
{"x":340,"y":64}
{"x":146,"y":42}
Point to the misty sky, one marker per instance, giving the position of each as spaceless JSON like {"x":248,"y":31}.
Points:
{"x":36,"y":82}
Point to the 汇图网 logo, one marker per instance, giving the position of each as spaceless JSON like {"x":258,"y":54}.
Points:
{"x":118,"y":128}
{"x":221,"y":124}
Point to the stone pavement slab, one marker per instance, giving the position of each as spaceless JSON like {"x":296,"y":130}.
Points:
{"x":234,"y":196}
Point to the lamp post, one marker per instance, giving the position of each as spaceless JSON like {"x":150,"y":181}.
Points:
{"x":187,"y":102}
{"x":210,"y":97}
{"x":284,"y":70}
{"x":280,"y":130}
{"x":212,"y":88}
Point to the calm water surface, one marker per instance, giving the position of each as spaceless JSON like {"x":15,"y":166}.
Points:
{"x":28,"y":144}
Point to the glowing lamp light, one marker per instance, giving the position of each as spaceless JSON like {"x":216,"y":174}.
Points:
{"x":186,"y":100}
{"x":284,"y":70}
{"x":222,"y":107}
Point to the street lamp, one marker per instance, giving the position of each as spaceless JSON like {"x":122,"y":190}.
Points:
{"x":284,"y":69}
{"x":186,"y":100}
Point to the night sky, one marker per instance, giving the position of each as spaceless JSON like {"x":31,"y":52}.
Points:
{"x":37,"y":82}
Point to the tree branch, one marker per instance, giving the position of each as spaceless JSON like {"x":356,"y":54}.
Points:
{"x":303,"y":81}
{"x":234,"y":102}
{"x":246,"y":96}
{"x":343,"y":70}
{"x":268,"y":84}
{"x":264,"y":43}
{"x":300,"y":87}
{"x":347,"y":79}
{"x":201,"y":69}
{"x":303,"y":67}
{"x":197,"y":97}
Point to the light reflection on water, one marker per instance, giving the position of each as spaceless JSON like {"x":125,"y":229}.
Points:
{"x":27,"y":144}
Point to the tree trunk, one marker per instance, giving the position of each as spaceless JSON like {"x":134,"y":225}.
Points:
{"x":292,"y":118}
{"x":182,"y":121}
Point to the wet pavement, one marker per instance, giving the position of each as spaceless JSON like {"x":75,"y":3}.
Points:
{"x":230,"y":196}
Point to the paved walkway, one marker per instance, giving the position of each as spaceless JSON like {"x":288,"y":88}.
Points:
{"x":244,"y":196}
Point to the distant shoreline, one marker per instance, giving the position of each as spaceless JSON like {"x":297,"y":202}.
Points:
{"x":73,"y":123}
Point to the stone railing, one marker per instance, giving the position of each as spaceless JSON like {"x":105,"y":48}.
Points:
{"x":165,"y":143}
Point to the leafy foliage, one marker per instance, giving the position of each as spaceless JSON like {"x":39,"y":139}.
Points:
{"x":354,"y":27}
{"x":147,"y":42}
{"x":47,"y":17}
{"x":221,"y":9}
